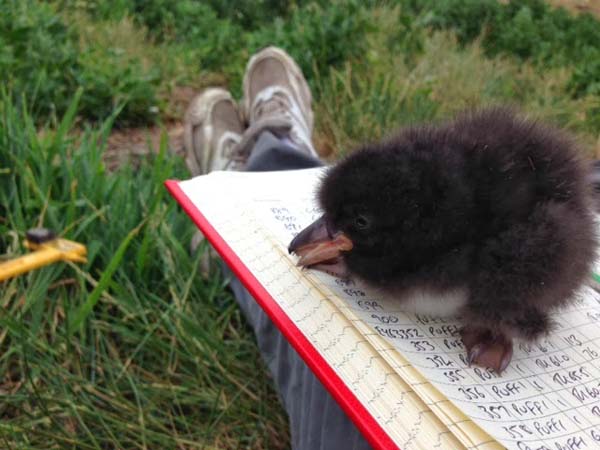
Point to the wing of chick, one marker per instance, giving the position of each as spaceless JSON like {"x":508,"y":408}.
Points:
{"x":539,"y":238}
{"x":490,"y":203}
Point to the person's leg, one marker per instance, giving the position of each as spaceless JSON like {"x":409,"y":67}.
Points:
{"x":274,"y":153}
{"x":277,"y":107}
{"x":316,"y":420}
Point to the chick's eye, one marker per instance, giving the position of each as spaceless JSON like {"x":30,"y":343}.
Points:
{"x":361,"y":222}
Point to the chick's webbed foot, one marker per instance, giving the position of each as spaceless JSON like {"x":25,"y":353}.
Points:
{"x":487,"y":349}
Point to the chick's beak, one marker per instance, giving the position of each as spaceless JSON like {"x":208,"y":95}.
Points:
{"x":319,"y":246}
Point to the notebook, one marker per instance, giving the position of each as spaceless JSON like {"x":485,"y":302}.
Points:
{"x":401,"y":377}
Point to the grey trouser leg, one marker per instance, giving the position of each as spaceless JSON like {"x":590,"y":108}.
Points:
{"x":316,"y":420}
{"x":273,"y":153}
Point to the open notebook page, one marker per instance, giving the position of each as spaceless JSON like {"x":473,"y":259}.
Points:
{"x":229,"y":202}
{"x":546,"y":399}
{"x":549,"y":397}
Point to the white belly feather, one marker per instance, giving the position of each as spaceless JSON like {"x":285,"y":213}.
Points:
{"x":434,"y":303}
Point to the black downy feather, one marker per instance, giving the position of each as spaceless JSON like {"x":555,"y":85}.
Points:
{"x":491,"y":203}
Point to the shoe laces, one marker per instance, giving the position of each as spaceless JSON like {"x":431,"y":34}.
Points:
{"x":228,"y":148}
{"x":276,"y":102}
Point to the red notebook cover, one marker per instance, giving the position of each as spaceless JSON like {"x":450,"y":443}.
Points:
{"x":355,"y":410}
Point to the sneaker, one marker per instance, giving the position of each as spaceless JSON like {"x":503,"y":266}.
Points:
{"x":212,"y":129}
{"x":277,"y":98}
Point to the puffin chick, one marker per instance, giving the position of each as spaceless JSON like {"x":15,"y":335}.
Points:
{"x":491,"y":205}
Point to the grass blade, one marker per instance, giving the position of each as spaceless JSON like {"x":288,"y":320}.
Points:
{"x":84,"y":310}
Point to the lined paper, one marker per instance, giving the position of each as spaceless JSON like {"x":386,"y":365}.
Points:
{"x":387,"y":397}
{"x":547,"y":398}
{"x":406,"y":365}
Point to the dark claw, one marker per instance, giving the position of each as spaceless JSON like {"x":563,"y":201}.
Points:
{"x":487,"y":349}
{"x":473,"y":354}
{"x":506,"y":358}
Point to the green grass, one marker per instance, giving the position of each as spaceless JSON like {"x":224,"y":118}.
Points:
{"x":136,"y":53}
{"x":134,"y":349}
{"x":364,"y":102}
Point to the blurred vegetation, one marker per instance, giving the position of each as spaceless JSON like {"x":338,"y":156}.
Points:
{"x":46,"y":59}
{"x":529,"y":30}
{"x":134,"y":349}
{"x":49,"y":49}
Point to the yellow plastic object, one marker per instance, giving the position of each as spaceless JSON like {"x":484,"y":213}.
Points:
{"x":43,"y":253}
